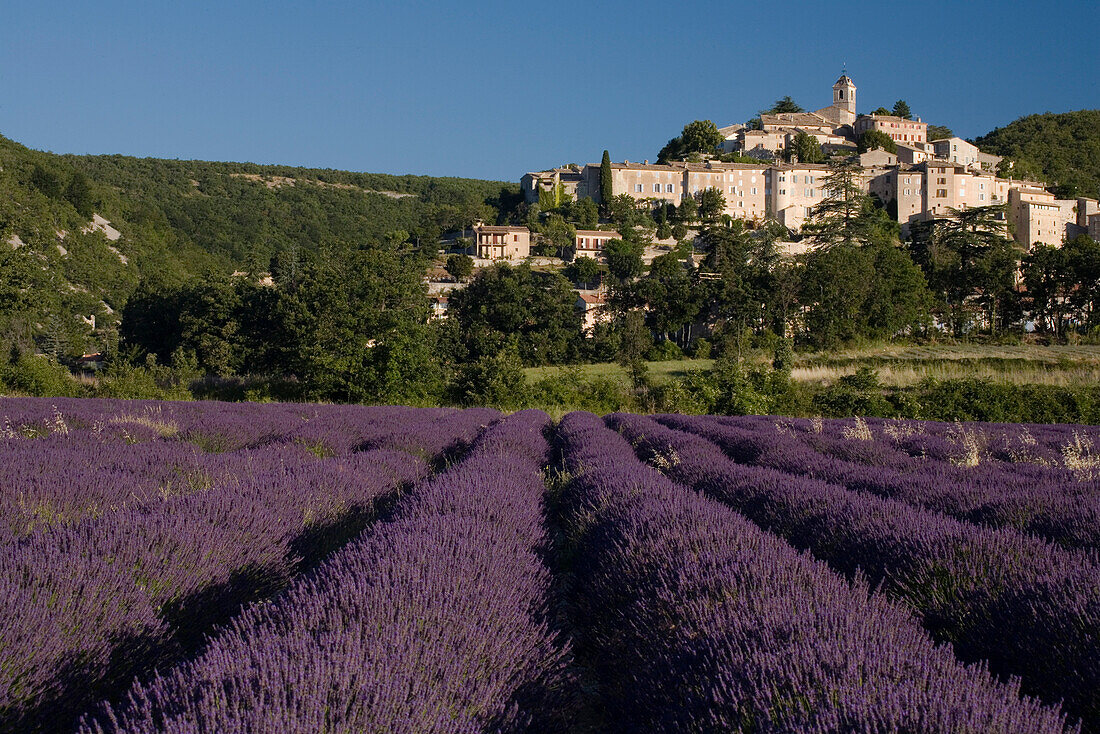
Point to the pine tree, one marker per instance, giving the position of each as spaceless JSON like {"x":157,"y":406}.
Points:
{"x":840,"y":217}
{"x":901,"y":109}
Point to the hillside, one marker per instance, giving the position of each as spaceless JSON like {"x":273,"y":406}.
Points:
{"x":80,"y":232}
{"x":1062,"y":149}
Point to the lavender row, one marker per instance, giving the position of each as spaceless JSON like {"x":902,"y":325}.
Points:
{"x":434,"y":622}
{"x":696,"y":620}
{"x":82,"y":606}
{"x":1042,"y":438}
{"x":214,"y":426}
{"x":1049,"y":501}
{"x":1027,"y":607}
{"x":64,"y":478}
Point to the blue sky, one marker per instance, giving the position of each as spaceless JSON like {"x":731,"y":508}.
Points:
{"x":492,"y":89}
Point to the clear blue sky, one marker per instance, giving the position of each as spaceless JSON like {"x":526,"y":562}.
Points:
{"x":492,"y":89}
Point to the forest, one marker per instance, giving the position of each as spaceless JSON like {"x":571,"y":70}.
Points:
{"x":240,"y":281}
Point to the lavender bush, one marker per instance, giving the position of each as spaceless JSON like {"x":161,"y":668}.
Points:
{"x":694,"y":619}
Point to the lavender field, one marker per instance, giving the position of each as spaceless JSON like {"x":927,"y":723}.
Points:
{"x":208,"y":567}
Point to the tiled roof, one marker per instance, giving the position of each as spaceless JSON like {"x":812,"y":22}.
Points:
{"x":500,"y":230}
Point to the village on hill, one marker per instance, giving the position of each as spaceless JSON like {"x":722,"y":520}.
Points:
{"x":916,"y":179}
{"x":774,"y":170}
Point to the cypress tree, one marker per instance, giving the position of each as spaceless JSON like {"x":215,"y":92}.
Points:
{"x":605,"y":181}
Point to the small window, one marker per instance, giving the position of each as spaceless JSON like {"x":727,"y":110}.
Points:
{"x":656,"y":188}
{"x":637,"y":188}
{"x":754,"y":190}
{"x":669,"y":188}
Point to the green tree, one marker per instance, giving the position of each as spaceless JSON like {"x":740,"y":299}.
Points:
{"x":624,"y":259}
{"x":872,"y":139}
{"x":493,"y":380}
{"x":939,"y":132}
{"x":688,"y":213}
{"x":672,"y":303}
{"x":1050,"y":280}
{"x":842,"y":217}
{"x":1084,"y":261}
{"x":901,"y":109}
{"x":711,"y":204}
{"x":606,"y":186}
{"x":743,"y":260}
{"x":538,"y":310}
{"x":79,"y":194}
{"x":881,"y":111}
{"x":968,"y":256}
{"x":783,"y":105}
{"x":805,"y":148}
{"x":460,"y":266}
{"x":586,"y":214}
{"x":561,"y":234}
{"x":584,"y":270}
{"x":634,"y":342}
{"x":46,"y":181}
{"x":406,"y":369}
{"x":700,"y":136}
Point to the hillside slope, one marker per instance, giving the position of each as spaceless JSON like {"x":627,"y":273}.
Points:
{"x":1063,"y":149}
{"x":77,"y":233}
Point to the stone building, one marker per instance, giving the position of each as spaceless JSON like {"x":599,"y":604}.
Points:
{"x":502,"y":243}
{"x":591,"y":243}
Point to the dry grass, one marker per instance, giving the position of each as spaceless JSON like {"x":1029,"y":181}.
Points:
{"x":149,"y":418}
{"x":902,"y":366}
{"x":903,"y":374}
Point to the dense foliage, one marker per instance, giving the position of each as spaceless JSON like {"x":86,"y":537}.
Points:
{"x":177,"y":220}
{"x":1060,"y":149}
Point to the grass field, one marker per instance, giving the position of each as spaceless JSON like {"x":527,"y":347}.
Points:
{"x":901,"y":365}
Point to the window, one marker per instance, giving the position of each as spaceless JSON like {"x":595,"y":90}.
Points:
{"x":733,"y":190}
{"x":810,"y":193}
{"x":981,"y":197}
{"x":741,"y":203}
{"x":809,"y":179}
{"x":907,"y":192}
{"x":669,"y":188}
{"x":782,"y":192}
{"x":515,"y":238}
{"x":782,"y":178}
{"x":637,"y":188}
{"x":656,"y":188}
{"x":941,"y":193}
{"x":941,"y":181}
{"x":754,"y":190}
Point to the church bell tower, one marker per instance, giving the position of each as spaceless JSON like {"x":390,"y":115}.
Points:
{"x":844,"y":97}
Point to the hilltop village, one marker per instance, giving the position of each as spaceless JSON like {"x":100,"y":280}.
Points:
{"x":917,"y":180}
